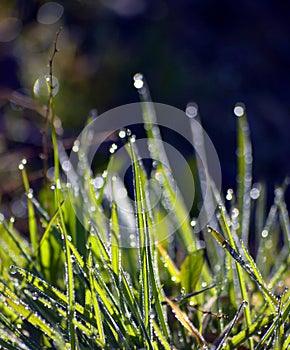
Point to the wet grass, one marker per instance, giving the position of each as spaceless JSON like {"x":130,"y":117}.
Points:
{"x":70,"y":286}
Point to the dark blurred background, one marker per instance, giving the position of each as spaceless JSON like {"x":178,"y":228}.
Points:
{"x":215,"y":53}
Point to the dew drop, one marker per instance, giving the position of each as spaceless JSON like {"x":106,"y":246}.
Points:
{"x":98,"y":182}
{"x":66,"y":165}
{"x":30,"y":193}
{"x":239,"y":109}
{"x":34,"y":295}
{"x":193,"y":222}
{"x":235,"y":213}
{"x":138,"y":81}
{"x":122,"y":134}
{"x":133,"y":138}
{"x":41,"y":86}
{"x":229,"y":195}
{"x":255,"y":193}
{"x":173,"y":279}
{"x":191,"y":110}
{"x":113,"y":148}
{"x":13,"y":270}
{"x":264,"y":233}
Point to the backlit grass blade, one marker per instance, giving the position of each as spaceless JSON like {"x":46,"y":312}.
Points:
{"x":97,"y":313}
{"x":31,"y":213}
{"x":69,"y":279}
{"x":18,"y":245}
{"x":244,"y":178}
{"x":115,"y":240}
{"x":190,"y":271}
{"x":157,"y":151}
{"x":143,"y":235}
{"x":169,"y":264}
{"x":41,"y":253}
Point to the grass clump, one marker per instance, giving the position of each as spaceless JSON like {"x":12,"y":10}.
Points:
{"x":73,"y":286}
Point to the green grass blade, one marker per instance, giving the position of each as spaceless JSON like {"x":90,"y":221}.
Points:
{"x":69,"y":279}
{"x":244,"y":178}
{"x":142,"y":228}
{"x":31,"y":213}
{"x":163,"y":341}
{"x":267,"y":293}
{"x":241,"y":279}
{"x":169,"y":264}
{"x":115,"y":240}
{"x":97,"y":313}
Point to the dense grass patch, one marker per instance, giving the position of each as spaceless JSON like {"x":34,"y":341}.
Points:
{"x":73,"y":286}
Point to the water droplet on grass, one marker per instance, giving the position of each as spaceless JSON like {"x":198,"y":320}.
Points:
{"x":122,"y":134}
{"x":138,"y":81}
{"x":264,"y":233}
{"x":191,"y":110}
{"x":229,"y":195}
{"x":41,"y":87}
{"x":193,"y":222}
{"x":13,"y":270}
{"x":255,"y":193}
{"x":239,"y":109}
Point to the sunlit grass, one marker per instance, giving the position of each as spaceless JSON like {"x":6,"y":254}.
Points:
{"x":70,"y":286}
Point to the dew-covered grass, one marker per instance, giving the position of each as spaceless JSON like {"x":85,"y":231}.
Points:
{"x":74,"y":286}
